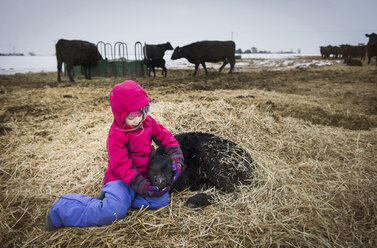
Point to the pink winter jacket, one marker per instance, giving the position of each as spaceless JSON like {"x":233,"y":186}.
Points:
{"x":129,"y":151}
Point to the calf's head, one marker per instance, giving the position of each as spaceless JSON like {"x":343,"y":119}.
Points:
{"x":168,"y":46}
{"x":159,"y":170}
{"x":147,"y":62}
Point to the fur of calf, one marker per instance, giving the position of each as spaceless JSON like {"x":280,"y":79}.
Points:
{"x":352,"y":62}
{"x":151,"y":64}
{"x":209,"y":161}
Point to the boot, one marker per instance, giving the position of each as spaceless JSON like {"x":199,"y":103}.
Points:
{"x":101,"y":195}
{"x":48,"y":224}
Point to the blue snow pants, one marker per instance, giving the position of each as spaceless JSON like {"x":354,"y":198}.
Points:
{"x":82,"y":211}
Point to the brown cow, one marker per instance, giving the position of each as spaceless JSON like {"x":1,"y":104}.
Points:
{"x":76,"y":52}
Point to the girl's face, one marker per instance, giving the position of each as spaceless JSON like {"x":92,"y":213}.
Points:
{"x":133,"y":121}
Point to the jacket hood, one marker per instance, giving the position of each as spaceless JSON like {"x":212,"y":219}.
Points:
{"x":126,"y":97}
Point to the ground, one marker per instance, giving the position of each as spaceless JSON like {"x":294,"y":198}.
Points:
{"x":312,"y":131}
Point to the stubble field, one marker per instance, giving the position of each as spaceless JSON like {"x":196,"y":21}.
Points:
{"x":312,"y":131}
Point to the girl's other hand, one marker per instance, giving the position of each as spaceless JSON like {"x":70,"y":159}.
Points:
{"x":156,"y":192}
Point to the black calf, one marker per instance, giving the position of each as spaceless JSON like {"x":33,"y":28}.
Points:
{"x":352,"y":62}
{"x":151,"y":64}
{"x":209,"y":161}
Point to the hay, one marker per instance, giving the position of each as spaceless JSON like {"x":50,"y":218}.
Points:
{"x":314,"y":186}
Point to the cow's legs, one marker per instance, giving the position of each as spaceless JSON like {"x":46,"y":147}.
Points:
{"x":196,"y":69}
{"x":224,"y":64}
{"x":89,"y":73}
{"x":70,"y":72}
{"x":59,"y":71}
{"x":232,"y":63}
{"x":154,"y":72}
{"x":205,"y":68}
{"x":85,"y":71}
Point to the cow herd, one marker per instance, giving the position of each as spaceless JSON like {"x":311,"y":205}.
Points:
{"x":86,"y":54}
{"x":343,"y":51}
{"x":348,"y":52}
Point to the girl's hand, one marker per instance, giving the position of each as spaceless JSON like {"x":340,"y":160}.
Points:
{"x":177,"y":170}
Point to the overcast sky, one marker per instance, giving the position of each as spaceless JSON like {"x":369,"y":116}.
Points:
{"x":36,"y":25}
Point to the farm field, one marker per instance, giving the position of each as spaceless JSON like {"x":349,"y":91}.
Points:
{"x":311,"y":129}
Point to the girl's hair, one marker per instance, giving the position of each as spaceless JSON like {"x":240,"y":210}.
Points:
{"x":138,"y":126}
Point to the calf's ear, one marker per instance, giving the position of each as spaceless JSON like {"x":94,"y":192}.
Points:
{"x":199,"y":200}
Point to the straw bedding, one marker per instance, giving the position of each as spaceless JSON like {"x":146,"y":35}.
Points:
{"x":312,"y":132}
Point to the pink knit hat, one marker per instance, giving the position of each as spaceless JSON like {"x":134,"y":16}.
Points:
{"x":141,"y":111}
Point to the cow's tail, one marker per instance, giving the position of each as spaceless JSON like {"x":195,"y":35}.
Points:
{"x":58,"y":58}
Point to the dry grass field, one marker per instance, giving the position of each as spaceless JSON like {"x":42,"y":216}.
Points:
{"x":312,"y":131}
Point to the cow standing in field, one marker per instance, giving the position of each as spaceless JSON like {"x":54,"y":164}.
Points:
{"x":207,"y":51}
{"x":327,"y":51}
{"x":156,"y":51}
{"x":76,"y":52}
{"x":372,"y":46}
{"x":349,"y":51}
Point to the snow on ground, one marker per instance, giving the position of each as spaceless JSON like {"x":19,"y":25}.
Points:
{"x":25,"y":64}
{"x":249,"y":62}
{"x":281,"y":63}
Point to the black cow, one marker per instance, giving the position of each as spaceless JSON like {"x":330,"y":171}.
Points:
{"x":349,"y":51}
{"x":151,"y":64}
{"x":156,"y":51}
{"x":207,"y":51}
{"x":372,"y":46}
{"x":76,"y":52}
{"x":209,"y":161}
{"x":327,"y":51}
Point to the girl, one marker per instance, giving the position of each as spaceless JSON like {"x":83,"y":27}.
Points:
{"x":125,"y":184}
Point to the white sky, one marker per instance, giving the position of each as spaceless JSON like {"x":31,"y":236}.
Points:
{"x":36,"y":25}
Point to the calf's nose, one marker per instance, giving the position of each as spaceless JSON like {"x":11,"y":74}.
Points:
{"x":159,"y":181}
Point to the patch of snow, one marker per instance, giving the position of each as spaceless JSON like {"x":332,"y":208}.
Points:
{"x":26,"y":64}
